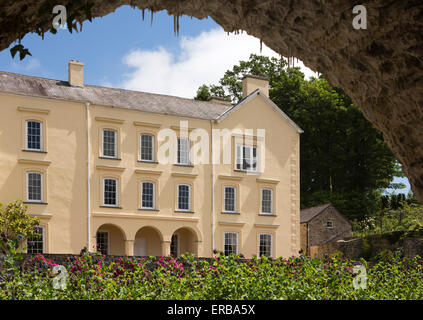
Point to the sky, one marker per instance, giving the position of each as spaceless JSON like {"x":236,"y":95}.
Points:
{"x":121,"y":50}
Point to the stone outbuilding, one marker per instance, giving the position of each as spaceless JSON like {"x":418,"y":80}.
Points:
{"x":322,"y":224}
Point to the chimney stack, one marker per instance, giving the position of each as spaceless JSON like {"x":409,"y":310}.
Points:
{"x":251,"y":83}
{"x":220,"y":100}
{"x":76,"y":73}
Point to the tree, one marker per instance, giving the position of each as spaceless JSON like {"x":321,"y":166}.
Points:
{"x":205,"y":92}
{"x":16,"y":225}
{"x":344,"y":159}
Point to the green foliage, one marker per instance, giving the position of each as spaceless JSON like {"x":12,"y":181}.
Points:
{"x":406,"y":219}
{"x":204,"y":92}
{"x":90,"y":276}
{"x":344,"y":159}
{"x":16,"y":225}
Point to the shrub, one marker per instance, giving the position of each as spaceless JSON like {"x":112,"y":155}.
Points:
{"x":90,"y":276}
{"x":16,"y":225}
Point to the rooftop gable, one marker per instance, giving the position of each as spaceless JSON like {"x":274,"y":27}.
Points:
{"x":269,"y":102}
{"x":308,"y":214}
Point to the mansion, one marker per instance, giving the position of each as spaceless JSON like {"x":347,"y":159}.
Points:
{"x":118,"y":171}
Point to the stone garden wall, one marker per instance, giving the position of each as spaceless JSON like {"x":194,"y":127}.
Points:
{"x":368,"y":247}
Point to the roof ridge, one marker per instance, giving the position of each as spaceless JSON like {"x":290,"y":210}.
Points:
{"x":107,"y":96}
{"x":110,"y":88}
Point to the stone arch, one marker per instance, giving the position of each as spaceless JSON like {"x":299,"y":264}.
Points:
{"x":380,"y":68}
{"x":184,"y":239}
{"x":148,"y":242}
{"x":114,"y":241}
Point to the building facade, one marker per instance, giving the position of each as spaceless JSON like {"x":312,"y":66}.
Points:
{"x":121,"y":171}
{"x":322,"y":224}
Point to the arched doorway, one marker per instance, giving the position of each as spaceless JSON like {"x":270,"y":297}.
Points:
{"x":183,"y":240}
{"x":148,"y":242}
{"x":110,"y":240}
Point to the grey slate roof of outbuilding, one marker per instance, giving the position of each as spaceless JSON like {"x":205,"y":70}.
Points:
{"x":143,"y":101}
{"x":308,"y":214}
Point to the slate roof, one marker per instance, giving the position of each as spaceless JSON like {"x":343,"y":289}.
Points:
{"x":308,"y":214}
{"x":143,"y":101}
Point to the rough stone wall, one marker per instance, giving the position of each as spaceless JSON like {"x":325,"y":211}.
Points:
{"x":380,"y":68}
{"x":413,"y":247}
{"x":355,"y":248}
{"x":319,"y":233}
{"x":303,"y":236}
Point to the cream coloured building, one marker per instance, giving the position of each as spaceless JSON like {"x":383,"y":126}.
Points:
{"x":89,"y":161}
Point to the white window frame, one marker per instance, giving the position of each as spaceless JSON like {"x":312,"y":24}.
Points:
{"x":271,"y":202}
{"x":152,"y":147}
{"x":188,"y":152}
{"x":41,"y":135}
{"x":271,"y":243}
{"x":327,"y":224}
{"x":27,"y":186}
{"x":108,"y":240}
{"x":154,"y":194}
{"x":42,"y":240}
{"x":115,"y":146}
{"x":224,"y":199}
{"x":240,"y":161}
{"x":237,"y":241}
{"x":117,"y":193}
{"x":189,"y":197}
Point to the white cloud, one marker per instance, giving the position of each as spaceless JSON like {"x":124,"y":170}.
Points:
{"x":27,"y":65}
{"x":200,"y":60}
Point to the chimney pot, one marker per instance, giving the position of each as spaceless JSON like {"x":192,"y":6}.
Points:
{"x":251,"y":83}
{"x":76,"y":73}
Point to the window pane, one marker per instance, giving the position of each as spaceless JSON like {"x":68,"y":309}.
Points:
{"x":183,"y":151}
{"x":147,"y":195}
{"x":230,"y":199}
{"x":266,"y":201}
{"x":146,"y":147}
{"x":231,"y":243}
{"x":36,"y":244}
{"x":246,"y":158}
{"x":238,"y":157}
{"x":33,"y":135}
{"x":109,"y":143}
{"x":103,"y":242}
{"x":183,"y":197}
{"x":34,"y":186}
{"x":110,"y":192}
{"x":265,"y":245}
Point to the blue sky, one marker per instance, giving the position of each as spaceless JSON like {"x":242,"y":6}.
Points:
{"x":121,"y":50}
